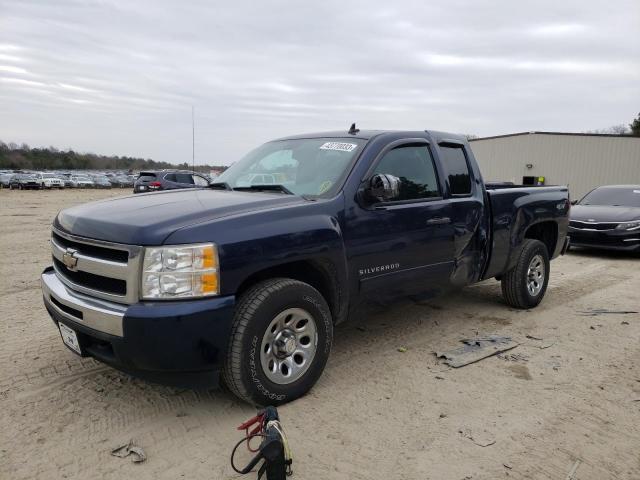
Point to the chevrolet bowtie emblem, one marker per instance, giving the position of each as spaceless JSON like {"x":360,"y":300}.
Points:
{"x":69,"y":259}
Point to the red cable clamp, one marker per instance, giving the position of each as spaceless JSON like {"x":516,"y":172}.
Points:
{"x":252,"y":432}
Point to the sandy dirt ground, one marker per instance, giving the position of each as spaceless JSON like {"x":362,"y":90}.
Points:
{"x":378,"y":412}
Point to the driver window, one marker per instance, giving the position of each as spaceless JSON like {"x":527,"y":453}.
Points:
{"x":413,"y":165}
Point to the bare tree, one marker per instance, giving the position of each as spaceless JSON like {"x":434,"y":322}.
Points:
{"x":620,"y":129}
{"x":635,"y":126}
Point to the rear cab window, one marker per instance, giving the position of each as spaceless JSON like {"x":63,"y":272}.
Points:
{"x":454,"y":161}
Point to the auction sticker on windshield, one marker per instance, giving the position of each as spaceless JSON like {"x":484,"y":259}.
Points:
{"x":341,"y":147}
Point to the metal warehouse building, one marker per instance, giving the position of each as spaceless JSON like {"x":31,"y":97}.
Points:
{"x":581,"y":160}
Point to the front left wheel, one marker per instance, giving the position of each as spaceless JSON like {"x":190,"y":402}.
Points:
{"x":280,"y":342}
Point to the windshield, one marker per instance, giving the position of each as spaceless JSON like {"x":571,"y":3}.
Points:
{"x":48,"y":175}
{"x":308,"y":167}
{"x":613,"y":196}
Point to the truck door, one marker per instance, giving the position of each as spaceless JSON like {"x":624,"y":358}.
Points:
{"x":405,"y":245}
{"x":468,"y":215}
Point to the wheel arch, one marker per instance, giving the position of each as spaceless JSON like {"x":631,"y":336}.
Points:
{"x":546,"y":232}
{"x":321,"y":274}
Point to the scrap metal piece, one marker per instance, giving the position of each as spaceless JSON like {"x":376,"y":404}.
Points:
{"x":483,"y":439}
{"x":572,"y":473}
{"x":138,"y":455}
{"x":594,"y":312}
{"x":475,"y":349}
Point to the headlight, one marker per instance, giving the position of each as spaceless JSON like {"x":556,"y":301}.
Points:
{"x":629,"y":225}
{"x":180,"y":271}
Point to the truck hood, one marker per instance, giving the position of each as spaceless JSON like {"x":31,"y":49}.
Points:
{"x":148,"y":219}
{"x":604,"y":213}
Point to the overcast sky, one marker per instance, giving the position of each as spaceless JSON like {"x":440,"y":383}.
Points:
{"x":119,"y":77}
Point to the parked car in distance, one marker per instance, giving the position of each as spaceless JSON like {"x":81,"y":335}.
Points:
{"x":66,"y":179}
{"x":101,"y":181}
{"x":607,"y":217}
{"x":24,"y":181}
{"x":153,"y":181}
{"x":112,"y":179}
{"x":256,"y":179}
{"x":247,"y":282}
{"x":49,"y":180}
{"x":124,"y":181}
{"x":5,"y":178}
{"x":81,"y":181}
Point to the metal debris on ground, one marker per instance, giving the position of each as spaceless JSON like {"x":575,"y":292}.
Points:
{"x":543,"y":345}
{"x":514,"y":357}
{"x":572,"y":472}
{"x":138,"y":455}
{"x":483,"y":439}
{"x":475,"y":349}
{"x":594,"y":312}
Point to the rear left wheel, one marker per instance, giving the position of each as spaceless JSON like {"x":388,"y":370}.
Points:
{"x":525,"y":284}
{"x":280,"y":342}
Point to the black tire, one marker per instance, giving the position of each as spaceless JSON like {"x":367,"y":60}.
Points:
{"x":257,"y":307}
{"x":515,"y":282}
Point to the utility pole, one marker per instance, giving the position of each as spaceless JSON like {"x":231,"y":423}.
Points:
{"x":193,"y":140}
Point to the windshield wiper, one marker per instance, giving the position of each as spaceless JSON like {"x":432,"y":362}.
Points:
{"x":220,"y":185}
{"x":266,"y":188}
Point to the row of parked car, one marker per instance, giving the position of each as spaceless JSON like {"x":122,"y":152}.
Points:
{"x":41,"y":180}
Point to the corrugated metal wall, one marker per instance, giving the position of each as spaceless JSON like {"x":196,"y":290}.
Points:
{"x":582,"y":162}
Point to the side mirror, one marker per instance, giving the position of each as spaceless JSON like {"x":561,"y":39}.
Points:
{"x":382,"y":188}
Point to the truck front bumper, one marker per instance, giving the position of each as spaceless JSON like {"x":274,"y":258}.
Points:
{"x":180,"y":343}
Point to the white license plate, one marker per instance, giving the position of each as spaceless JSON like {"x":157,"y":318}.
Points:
{"x":70,"y":338}
{"x":143,"y":188}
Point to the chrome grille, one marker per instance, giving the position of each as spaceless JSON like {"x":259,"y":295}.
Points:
{"x":592,"y":226}
{"x":104,"y":269}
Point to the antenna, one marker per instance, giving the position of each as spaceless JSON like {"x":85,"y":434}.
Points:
{"x":353,"y":130}
{"x":193,"y":140}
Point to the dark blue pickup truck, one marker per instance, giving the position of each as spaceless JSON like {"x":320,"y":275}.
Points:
{"x":246,"y":279}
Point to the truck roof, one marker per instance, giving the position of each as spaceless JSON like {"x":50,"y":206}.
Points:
{"x":368,"y":134}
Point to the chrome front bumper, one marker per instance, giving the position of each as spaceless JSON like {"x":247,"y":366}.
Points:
{"x":100,"y":315}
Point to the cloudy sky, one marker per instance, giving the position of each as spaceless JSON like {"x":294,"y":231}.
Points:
{"x":119,"y":77}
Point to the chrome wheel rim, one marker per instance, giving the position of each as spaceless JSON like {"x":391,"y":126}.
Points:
{"x":288,"y":346}
{"x":535,"y":275}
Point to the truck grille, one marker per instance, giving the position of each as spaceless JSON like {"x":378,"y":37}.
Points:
{"x":90,"y":280}
{"x":102,"y":269}
{"x":592,"y":225}
{"x":101,"y":253}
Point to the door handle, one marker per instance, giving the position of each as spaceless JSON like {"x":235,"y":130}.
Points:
{"x":438,"y":221}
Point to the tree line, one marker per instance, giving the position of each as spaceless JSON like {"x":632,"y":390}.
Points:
{"x":23,"y":157}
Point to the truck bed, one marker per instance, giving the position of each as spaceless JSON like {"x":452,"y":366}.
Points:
{"x":512,"y":210}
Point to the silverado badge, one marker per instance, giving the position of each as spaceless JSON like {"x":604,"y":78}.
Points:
{"x":69,"y":259}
